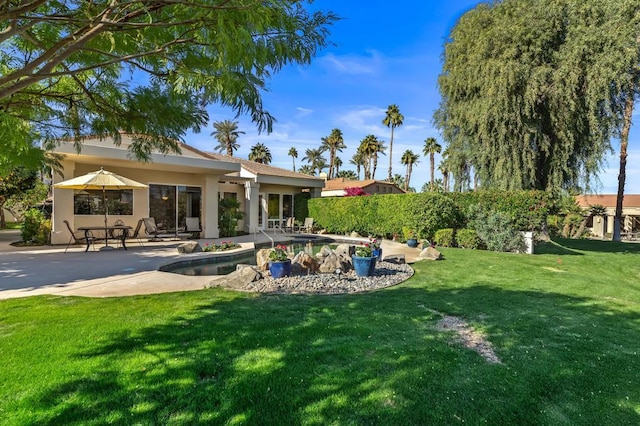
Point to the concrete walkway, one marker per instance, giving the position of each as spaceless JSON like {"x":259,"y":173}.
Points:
{"x":30,"y":271}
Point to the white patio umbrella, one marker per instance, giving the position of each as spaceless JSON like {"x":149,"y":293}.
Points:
{"x":101,"y":180}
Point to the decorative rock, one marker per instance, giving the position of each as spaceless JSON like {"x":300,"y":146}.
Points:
{"x":262,"y":259}
{"x":330,"y":264}
{"x":396,"y":259}
{"x":189,"y":247}
{"x":303,"y":264}
{"x":237,"y":280}
{"x":345,"y":250}
{"x":430,"y":253}
{"x":354,"y":234}
{"x":324,"y":252}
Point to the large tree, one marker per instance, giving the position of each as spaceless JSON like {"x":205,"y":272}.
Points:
{"x":314,"y":157}
{"x":431,"y":148}
{"x":13,"y":183}
{"x":392,"y":119}
{"x":260,"y":153}
{"x":293,"y":153}
{"x":226,"y":133}
{"x":333,"y":144}
{"x":144,"y":67}
{"x":509,"y":107}
{"x":408,"y":159}
{"x":369,"y":148}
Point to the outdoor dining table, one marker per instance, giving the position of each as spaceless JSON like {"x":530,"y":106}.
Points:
{"x":108,"y":230}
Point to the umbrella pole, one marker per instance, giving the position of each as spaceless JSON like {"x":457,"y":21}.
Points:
{"x":106,"y":224}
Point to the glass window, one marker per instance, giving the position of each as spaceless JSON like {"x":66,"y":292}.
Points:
{"x":273,"y":207}
{"x":91,"y":202}
{"x":287,"y":205}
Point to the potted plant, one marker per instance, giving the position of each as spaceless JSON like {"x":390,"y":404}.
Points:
{"x":412,"y":241}
{"x":279,"y":262}
{"x":363,"y":261}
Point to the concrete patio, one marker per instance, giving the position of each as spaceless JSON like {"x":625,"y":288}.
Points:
{"x":31,"y":271}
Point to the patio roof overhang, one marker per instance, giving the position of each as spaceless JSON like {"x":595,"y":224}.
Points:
{"x":108,"y":156}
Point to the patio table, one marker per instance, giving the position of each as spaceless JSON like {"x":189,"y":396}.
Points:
{"x":108,"y":230}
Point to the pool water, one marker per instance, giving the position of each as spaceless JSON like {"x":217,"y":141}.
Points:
{"x":223,"y":265}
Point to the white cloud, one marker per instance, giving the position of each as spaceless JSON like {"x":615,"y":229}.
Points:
{"x":353,"y":64}
{"x":303,"y":112}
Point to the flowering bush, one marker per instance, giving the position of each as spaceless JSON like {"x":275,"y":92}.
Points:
{"x":222,"y":246}
{"x":278,"y":253}
{"x":374,"y":243}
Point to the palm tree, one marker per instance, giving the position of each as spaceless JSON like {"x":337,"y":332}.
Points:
{"x":408,"y":159}
{"x":358,"y":161}
{"x":444,"y":169}
{"x":293,"y":153}
{"x":333,"y":143}
{"x":431,"y":147}
{"x":226,"y":134}
{"x":314,"y":157}
{"x":337,"y":163}
{"x":260,"y":154}
{"x":371,"y":147}
{"x":392,"y":119}
{"x":347,"y":174}
{"x":398,"y":180}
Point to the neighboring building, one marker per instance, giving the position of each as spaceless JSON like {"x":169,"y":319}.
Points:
{"x":336,"y":187}
{"x":601,"y":225}
{"x":180,"y":186}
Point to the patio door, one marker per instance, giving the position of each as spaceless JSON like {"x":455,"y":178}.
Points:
{"x":170,"y":205}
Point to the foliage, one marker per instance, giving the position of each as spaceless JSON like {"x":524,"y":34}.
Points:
{"x":333,"y":143}
{"x":364,"y":250}
{"x":445,"y":237}
{"x":66,"y":66}
{"x":408,"y":159}
{"x":301,"y":206}
{"x":13,"y":183}
{"x":221,"y":246}
{"x":226,"y":133}
{"x":468,"y":238}
{"x":368,"y":151}
{"x":432,"y":211}
{"x":19,"y":203}
{"x":260,"y":153}
{"x":393,"y":118}
{"x":278,"y":253}
{"x":347,"y":174}
{"x":496,"y":230}
{"x":228,"y":215}
{"x":533,"y":91}
{"x":36,"y":228}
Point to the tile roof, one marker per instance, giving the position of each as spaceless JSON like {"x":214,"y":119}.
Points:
{"x":608,"y":200}
{"x":342,"y":183}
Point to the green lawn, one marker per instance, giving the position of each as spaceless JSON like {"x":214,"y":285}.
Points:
{"x":565,"y":323}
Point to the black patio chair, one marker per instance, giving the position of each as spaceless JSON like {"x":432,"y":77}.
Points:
{"x":89,"y":239}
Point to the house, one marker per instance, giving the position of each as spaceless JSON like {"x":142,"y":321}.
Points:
{"x":179,"y":186}
{"x":336,"y":187}
{"x":601,"y":225}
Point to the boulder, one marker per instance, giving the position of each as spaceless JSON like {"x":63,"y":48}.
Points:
{"x":345,"y":250}
{"x":334,"y":262}
{"x":237,"y":280}
{"x":430,"y":253}
{"x":303,"y":264}
{"x":189,"y":247}
{"x":324,"y":252}
{"x":262,"y":259}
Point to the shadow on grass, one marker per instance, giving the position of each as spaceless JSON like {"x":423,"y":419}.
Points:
{"x":372,"y":358}
{"x":575,"y":246}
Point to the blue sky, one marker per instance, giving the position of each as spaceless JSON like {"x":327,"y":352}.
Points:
{"x":385,"y":53}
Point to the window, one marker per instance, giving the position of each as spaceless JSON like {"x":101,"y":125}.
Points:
{"x":91,"y":202}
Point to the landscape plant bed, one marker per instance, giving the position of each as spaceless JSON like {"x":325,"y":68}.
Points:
{"x":563,"y":326}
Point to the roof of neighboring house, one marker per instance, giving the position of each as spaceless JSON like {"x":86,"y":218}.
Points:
{"x":342,"y":183}
{"x":261,"y":169}
{"x":608,"y":200}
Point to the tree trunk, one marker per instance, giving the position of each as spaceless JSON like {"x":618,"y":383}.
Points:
{"x":3,"y":223}
{"x":432,"y":164}
{"x":622,"y":174}
{"x":390,"y":177}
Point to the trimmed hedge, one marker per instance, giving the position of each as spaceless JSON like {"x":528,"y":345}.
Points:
{"x":424,"y":213}
{"x":445,"y":238}
{"x":468,"y":238}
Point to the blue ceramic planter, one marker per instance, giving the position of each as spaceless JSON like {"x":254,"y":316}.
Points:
{"x":280,"y":269}
{"x":412,"y":242}
{"x":364,"y":266}
{"x":377,"y":254}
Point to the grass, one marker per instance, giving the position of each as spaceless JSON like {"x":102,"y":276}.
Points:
{"x":13,"y":225}
{"x":565,"y":323}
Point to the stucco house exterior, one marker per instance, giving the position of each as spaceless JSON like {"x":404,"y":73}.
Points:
{"x":601,"y":225}
{"x":336,"y":187}
{"x":179,"y":186}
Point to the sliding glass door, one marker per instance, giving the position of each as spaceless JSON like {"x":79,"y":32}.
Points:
{"x":170,"y":205}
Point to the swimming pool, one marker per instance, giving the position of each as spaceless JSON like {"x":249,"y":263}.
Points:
{"x":225,"y":264}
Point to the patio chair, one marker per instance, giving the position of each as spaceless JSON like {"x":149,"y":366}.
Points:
{"x":290,"y":225}
{"x":151,"y":229}
{"x":308,"y":225}
{"x":89,"y":239}
{"x":136,"y":233}
{"x":193,"y":226}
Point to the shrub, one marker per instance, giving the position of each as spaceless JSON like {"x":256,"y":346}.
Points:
{"x":432,"y":211}
{"x":496,"y":230}
{"x":468,"y":238}
{"x":36,"y":228}
{"x":445,"y":238}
